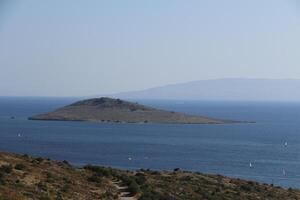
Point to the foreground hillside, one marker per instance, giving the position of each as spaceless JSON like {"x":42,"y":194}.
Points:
{"x":118,"y":111}
{"x":25,"y":177}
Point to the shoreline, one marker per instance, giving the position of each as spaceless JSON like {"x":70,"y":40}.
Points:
{"x":141,"y":122}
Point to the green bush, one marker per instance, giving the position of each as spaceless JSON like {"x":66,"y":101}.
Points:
{"x":25,"y":156}
{"x":66,"y":163}
{"x":58,"y":196}
{"x":20,"y":166}
{"x":50,"y":177}
{"x":4,"y":198}
{"x":100,"y":171}
{"x":42,"y":186}
{"x":67,"y":180}
{"x":140,"y":179}
{"x":44,"y":197}
{"x":152,"y":195}
{"x":246,"y":188}
{"x":18,"y":183}
{"x":2,"y":181}
{"x":6,"y":169}
{"x":133,"y":188}
{"x":37,"y":160}
{"x":65,"y":188}
{"x":94,"y":178}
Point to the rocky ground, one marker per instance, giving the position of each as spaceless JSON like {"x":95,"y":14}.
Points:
{"x":30,"y":178}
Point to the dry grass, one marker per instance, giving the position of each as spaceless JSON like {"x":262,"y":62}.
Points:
{"x":45,"y":179}
{"x":28,"y":178}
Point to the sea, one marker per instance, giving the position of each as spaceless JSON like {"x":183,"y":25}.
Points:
{"x":267,"y":151}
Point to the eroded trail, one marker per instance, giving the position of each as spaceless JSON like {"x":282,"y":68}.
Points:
{"x":123,"y":190}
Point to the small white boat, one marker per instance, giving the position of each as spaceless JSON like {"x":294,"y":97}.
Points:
{"x":19,"y":135}
{"x":285,"y":144}
{"x":283,"y":172}
{"x":250,"y":165}
{"x":129,"y":158}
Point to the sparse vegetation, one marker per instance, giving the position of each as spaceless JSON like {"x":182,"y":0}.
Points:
{"x":20,"y":166}
{"x":116,"y":110}
{"x":25,"y":177}
{"x":6,"y":169}
{"x":42,"y":179}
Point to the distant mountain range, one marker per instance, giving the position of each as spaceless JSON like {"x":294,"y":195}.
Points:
{"x":232,"y":89}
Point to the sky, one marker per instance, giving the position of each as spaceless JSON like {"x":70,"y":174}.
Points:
{"x":81,"y":48}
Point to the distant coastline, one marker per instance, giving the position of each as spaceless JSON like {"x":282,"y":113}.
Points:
{"x":227,"y":89}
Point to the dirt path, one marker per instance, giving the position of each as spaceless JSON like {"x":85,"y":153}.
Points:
{"x":124,"y":193}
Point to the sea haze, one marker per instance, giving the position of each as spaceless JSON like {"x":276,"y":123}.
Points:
{"x":230,"y":89}
{"x":221,"y":149}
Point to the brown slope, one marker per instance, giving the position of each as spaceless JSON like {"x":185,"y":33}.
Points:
{"x":116,"y":110}
{"x":28,"y":178}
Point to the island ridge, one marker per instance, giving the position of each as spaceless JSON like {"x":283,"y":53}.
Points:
{"x":119,"y":111}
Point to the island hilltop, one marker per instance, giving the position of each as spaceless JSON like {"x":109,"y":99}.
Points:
{"x":115,"y":110}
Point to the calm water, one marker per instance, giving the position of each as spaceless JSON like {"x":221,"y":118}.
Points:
{"x":222,"y":149}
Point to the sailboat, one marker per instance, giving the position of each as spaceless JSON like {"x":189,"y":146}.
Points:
{"x":285,"y":144}
{"x":250,"y":165}
{"x":283,"y":172}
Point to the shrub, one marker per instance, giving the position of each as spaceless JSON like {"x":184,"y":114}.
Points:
{"x":245,"y":188}
{"x":109,"y":195}
{"x":100,"y":171}
{"x":20,"y":166}
{"x":133,"y":188}
{"x":155,"y":173}
{"x":152,"y":195}
{"x":18,"y":183}
{"x":66,"y":180}
{"x":50,"y":177}
{"x":140,"y":179}
{"x":6,"y":169}
{"x":66,"y":162}
{"x":37,"y":160}
{"x":42,"y":186}
{"x":4,"y":197}
{"x":44,"y":197}
{"x":176,"y":169}
{"x":94,"y":178}
{"x":58,"y":196}
{"x":25,"y":156}
{"x":65,"y":188}
{"x":2,"y":182}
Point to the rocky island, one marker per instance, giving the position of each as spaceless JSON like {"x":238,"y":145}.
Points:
{"x":119,"y":111}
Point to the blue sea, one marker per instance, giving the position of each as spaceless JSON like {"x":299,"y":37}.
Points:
{"x":218,"y":149}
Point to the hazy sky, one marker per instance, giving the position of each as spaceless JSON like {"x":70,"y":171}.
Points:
{"x":72,"y":48}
